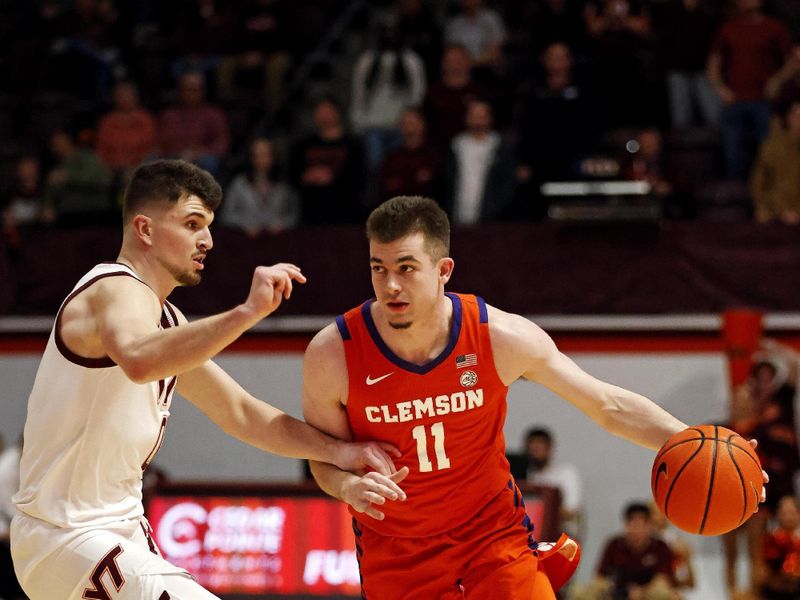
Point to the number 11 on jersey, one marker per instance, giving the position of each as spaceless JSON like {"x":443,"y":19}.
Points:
{"x":420,"y":435}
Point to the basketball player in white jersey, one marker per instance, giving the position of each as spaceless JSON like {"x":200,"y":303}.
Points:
{"x":101,"y":399}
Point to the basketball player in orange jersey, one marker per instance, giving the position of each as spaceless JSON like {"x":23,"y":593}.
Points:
{"x":428,"y":372}
{"x":100,"y":403}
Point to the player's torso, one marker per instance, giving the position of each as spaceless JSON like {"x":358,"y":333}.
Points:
{"x":446,"y":417}
{"x":90,"y":432}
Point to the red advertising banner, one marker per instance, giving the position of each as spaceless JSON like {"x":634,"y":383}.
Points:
{"x":257,"y":545}
{"x":270,"y":544}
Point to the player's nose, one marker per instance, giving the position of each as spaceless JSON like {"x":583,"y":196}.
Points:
{"x":206,"y":240}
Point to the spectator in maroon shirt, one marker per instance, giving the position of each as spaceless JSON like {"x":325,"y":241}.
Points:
{"x":126,"y":135}
{"x":445,"y":104}
{"x":194,"y":129}
{"x":412,"y":169}
{"x":327,"y":168}
{"x":634,"y":565}
{"x":747,"y":52}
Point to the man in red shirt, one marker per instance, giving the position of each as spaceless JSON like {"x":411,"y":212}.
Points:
{"x":747,"y":52}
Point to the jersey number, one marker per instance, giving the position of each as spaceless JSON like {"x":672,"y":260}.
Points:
{"x":437,"y":431}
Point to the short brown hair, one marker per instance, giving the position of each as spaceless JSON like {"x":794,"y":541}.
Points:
{"x":168,"y":181}
{"x":406,"y":215}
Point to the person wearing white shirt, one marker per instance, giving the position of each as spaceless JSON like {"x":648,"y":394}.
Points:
{"x":563,"y":476}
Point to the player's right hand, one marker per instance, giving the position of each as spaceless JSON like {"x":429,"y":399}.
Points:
{"x":367,"y":492}
{"x":270,"y":286}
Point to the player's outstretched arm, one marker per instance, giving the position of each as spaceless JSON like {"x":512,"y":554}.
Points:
{"x":522,"y":349}
{"x":324,"y":386}
{"x":127,"y":313}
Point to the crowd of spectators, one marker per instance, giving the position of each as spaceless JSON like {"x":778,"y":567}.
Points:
{"x":475,"y":102}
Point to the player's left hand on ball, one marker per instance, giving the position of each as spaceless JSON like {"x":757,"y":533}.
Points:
{"x":367,"y":456}
{"x":754,"y":444}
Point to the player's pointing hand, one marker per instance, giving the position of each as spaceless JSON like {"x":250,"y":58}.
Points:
{"x":271,"y":285}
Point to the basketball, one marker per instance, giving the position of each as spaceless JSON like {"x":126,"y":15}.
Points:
{"x":707,"y":480}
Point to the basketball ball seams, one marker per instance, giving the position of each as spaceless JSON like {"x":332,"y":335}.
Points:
{"x":710,"y":482}
{"x":741,"y":480}
{"x":678,"y":474}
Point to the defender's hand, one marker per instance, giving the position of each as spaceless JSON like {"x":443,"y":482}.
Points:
{"x":365,"y":493}
{"x":270,"y":286}
{"x":364,"y":456}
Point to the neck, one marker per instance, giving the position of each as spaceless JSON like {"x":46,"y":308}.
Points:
{"x":425,"y":339}
{"x":149,"y":271}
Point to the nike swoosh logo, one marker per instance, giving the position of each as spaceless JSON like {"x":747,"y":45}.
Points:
{"x":371,"y":381}
{"x":662,"y":468}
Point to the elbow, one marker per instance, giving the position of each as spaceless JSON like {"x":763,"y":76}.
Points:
{"x":138,"y":369}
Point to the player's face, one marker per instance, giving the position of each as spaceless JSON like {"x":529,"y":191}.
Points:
{"x":183,"y":239}
{"x":407,"y":280}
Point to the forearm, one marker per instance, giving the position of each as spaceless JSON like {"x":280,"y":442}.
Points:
{"x":637,"y":419}
{"x":179,"y":349}
{"x":270,"y":429}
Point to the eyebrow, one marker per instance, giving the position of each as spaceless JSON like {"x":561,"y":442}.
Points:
{"x":200,"y":215}
{"x":407,"y":258}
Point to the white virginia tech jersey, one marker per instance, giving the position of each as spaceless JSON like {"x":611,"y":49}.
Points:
{"x":90,"y":431}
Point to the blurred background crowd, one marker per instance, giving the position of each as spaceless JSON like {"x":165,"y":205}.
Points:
{"x":312,"y":112}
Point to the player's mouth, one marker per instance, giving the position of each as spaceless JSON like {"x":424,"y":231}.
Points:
{"x":396,"y":306}
{"x":198,"y":260}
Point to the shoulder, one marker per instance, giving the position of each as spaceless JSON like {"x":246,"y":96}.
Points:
{"x":324,"y":364}
{"x":325,"y":347}
{"x":518,"y":344}
{"x":511,"y":328}
{"x":113,"y":289}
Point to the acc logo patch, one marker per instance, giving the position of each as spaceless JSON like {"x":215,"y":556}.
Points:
{"x":468,"y":378}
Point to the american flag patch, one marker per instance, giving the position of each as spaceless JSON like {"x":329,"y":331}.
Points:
{"x":466,"y":360}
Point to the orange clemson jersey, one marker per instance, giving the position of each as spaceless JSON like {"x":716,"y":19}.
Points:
{"x":446,"y":417}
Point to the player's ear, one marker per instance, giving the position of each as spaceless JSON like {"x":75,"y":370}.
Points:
{"x":143,"y":229}
{"x":446,"y":266}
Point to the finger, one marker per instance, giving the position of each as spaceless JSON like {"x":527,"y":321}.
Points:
{"x":390,"y":448}
{"x":380,"y":462}
{"x":287,"y":289}
{"x":375,"y":498}
{"x":765,"y":475}
{"x":389,"y":489}
{"x":398,"y":476}
{"x":373,"y":512}
{"x":754,"y":443}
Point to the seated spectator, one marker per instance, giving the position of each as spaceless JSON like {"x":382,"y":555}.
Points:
{"x":636,"y":565}
{"x":763,"y":408}
{"x":680,"y":545}
{"x":684,"y":39}
{"x":194,"y":129}
{"x":543,"y":470}
{"x":386,"y":79}
{"x":23,"y":205}
{"x":445,"y":104}
{"x":414,"y":168}
{"x":78,"y":189}
{"x":327,"y":170}
{"x":254,"y":201}
{"x":479,"y":172}
{"x":775,"y":180}
{"x":127,"y":134}
{"x":557,"y":118}
{"x":746,"y":53}
{"x":480,"y":30}
{"x":260,"y":57}
{"x":780,"y":578}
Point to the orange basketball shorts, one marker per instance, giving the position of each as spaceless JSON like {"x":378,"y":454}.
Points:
{"x":491,"y":556}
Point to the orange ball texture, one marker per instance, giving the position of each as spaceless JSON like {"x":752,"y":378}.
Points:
{"x":707,"y":480}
